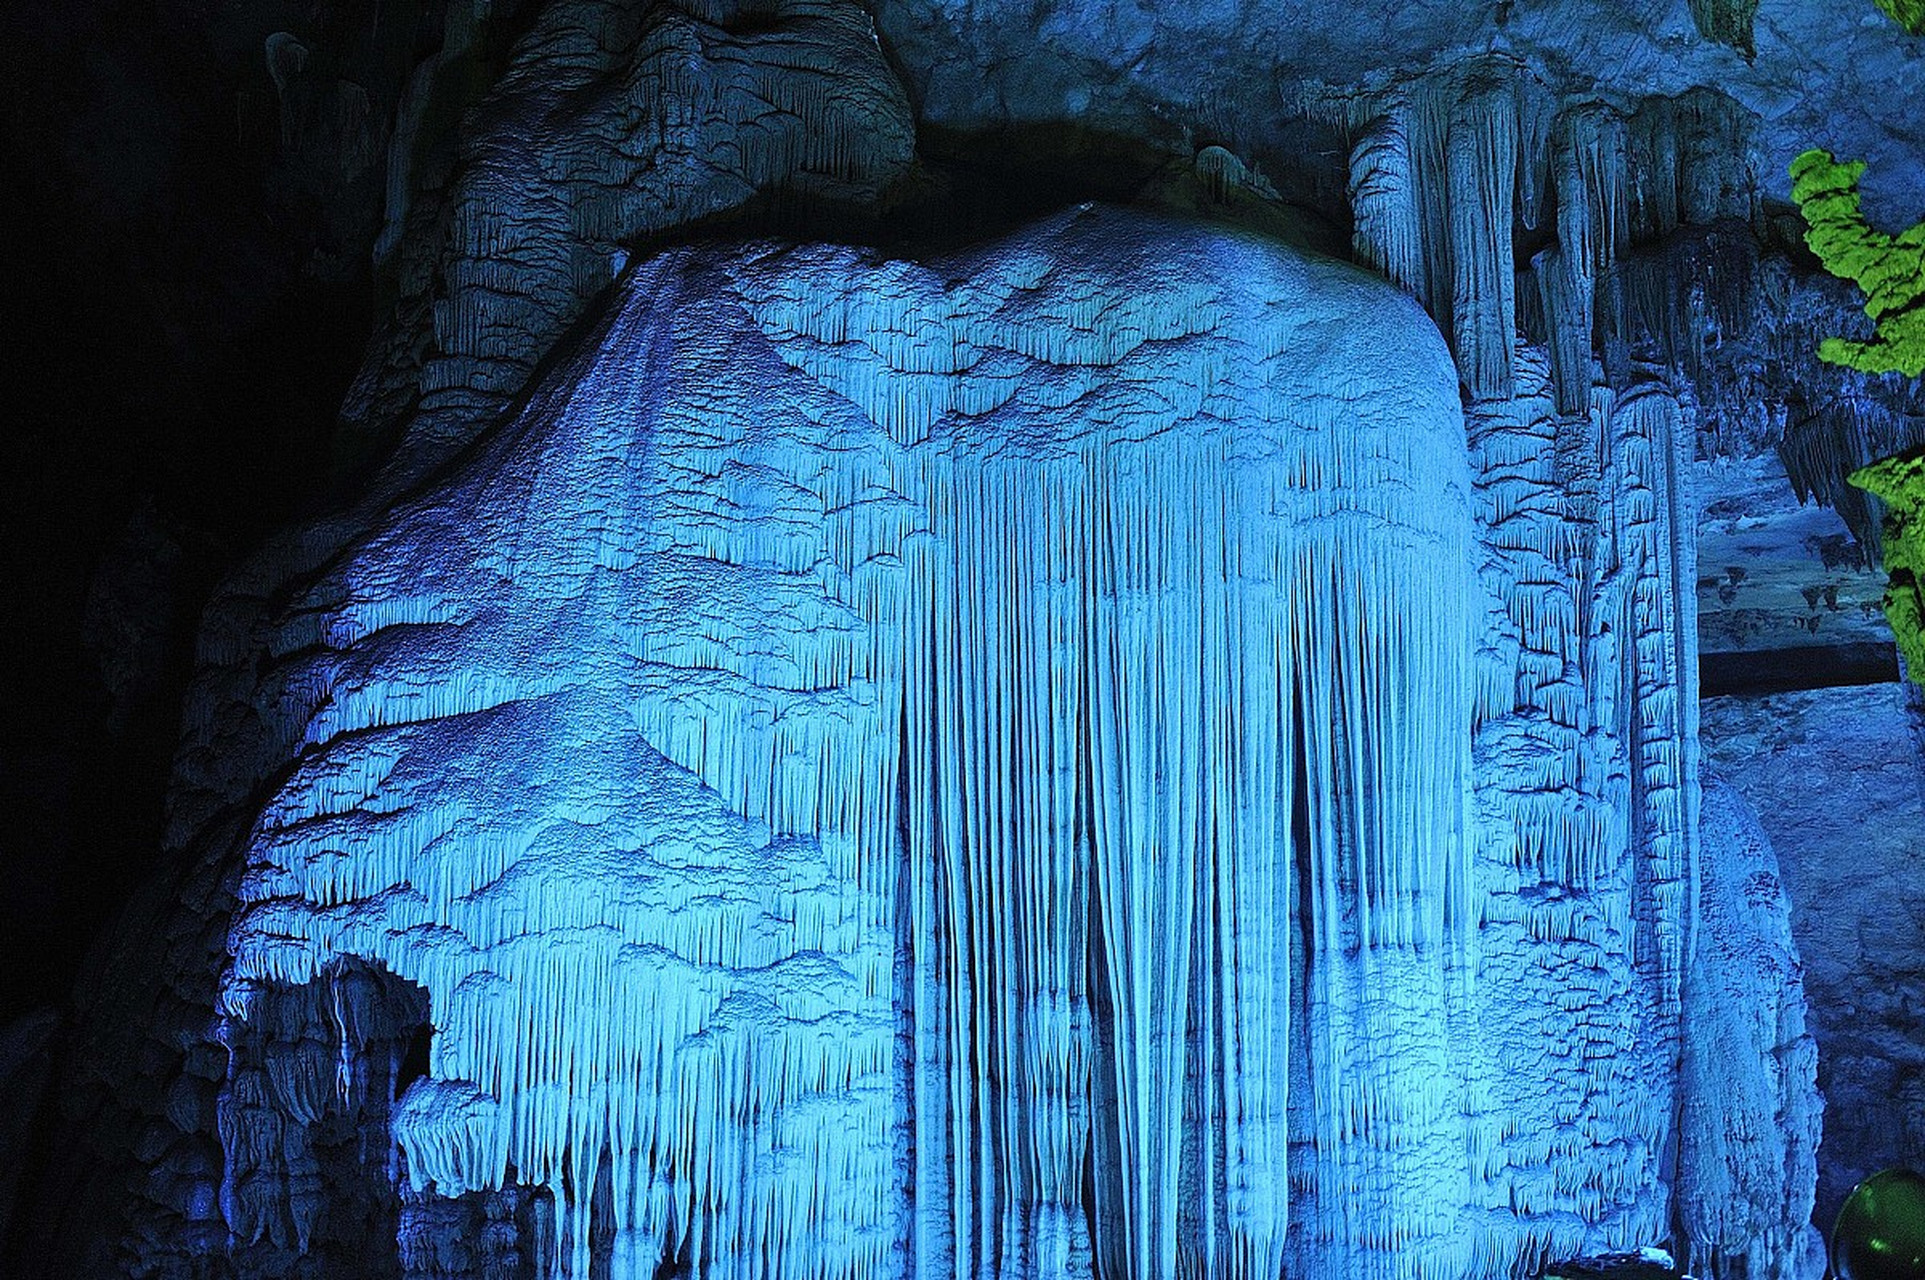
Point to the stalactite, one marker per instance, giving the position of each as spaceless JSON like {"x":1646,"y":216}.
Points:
{"x":1389,"y":233}
{"x":1480,"y":156}
{"x":1448,"y":171}
{"x":1434,"y":187}
{"x":1690,"y":163}
{"x":1587,"y":164}
{"x":1586,"y":698}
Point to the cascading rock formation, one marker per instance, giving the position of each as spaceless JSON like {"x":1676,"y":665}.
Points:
{"x":1080,"y":756}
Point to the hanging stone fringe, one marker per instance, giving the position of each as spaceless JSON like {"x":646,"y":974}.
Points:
{"x":864,"y":749}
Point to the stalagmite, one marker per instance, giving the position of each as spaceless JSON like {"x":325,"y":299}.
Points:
{"x":1749,"y":1139}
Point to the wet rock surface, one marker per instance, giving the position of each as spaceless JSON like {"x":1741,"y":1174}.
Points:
{"x":1835,"y":776}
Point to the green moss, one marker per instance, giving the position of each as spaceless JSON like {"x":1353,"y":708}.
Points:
{"x":1890,"y":269}
{"x":1899,"y":482}
{"x":1909,"y":14}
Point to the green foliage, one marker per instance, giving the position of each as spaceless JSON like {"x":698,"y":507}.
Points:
{"x":1890,"y":269}
{"x":1899,"y":482}
{"x":1909,"y":14}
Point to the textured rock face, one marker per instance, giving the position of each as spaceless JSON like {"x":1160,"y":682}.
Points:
{"x":1749,"y":1153}
{"x":1835,"y":775}
{"x":1242,"y":71}
{"x":612,"y":122}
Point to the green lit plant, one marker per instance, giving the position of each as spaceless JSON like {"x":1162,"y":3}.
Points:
{"x":1909,"y":14}
{"x":1899,"y":482}
{"x":1890,"y":269}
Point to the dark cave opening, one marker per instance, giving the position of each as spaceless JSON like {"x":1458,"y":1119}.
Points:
{"x":1761,"y":671}
{"x":414,"y":1060}
{"x":312,"y":1176}
{"x":315,"y":1183}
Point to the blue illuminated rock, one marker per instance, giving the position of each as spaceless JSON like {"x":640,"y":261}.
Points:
{"x":875,"y":743}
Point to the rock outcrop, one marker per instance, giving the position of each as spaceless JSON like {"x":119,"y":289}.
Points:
{"x":1752,"y":1112}
{"x":1835,"y":778}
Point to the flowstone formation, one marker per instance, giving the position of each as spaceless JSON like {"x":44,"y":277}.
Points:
{"x":1058,"y":759}
{"x":867,"y":728}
